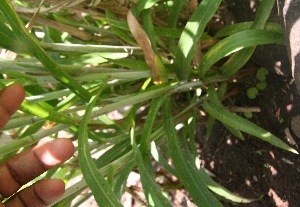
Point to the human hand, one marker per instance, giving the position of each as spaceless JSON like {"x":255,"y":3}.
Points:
{"x":23,"y":167}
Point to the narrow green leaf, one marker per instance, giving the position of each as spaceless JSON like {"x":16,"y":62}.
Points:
{"x":211,"y":184}
{"x":215,"y":109}
{"x":132,"y":64}
{"x":235,"y":132}
{"x":143,"y":5}
{"x":160,"y":31}
{"x":210,"y":125}
{"x":191,"y":35}
{"x":111,"y":174}
{"x":152,"y":190}
{"x":172,"y":22}
{"x":30,"y":139}
{"x":38,"y":110}
{"x":161,"y":159}
{"x":21,"y":122}
{"x":221,"y":191}
{"x":263,"y":13}
{"x":149,"y":28}
{"x":238,"y":27}
{"x":33,"y":128}
{"x":239,"y":59}
{"x":83,"y":198}
{"x":236,"y":42}
{"x":134,"y":99}
{"x":87,"y":48}
{"x":175,"y":12}
{"x":119,"y":28}
{"x":114,"y":153}
{"x":51,"y":115}
{"x":236,"y":61}
{"x":7,"y":39}
{"x":187,"y":173}
{"x":147,"y":129}
{"x":100,"y":188}
{"x":121,"y":179}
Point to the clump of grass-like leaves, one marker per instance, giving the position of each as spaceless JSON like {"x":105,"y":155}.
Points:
{"x":92,"y":60}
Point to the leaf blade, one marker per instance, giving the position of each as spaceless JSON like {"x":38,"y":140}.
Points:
{"x":153,"y":61}
{"x":190,"y":36}
{"x":215,"y":109}
{"x":188,"y":174}
{"x":100,"y":188}
{"x":245,"y":39}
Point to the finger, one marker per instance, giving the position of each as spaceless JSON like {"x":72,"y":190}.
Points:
{"x":40,"y":194}
{"x":10,"y":99}
{"x":27,"y":165}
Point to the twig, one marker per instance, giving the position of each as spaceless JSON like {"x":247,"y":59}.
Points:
{"x":243,"y":109}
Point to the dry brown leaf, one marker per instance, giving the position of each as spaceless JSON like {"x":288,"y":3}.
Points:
{"x":31,"y":22}
{"x":143,"y":41}
{"x":75,"y":32}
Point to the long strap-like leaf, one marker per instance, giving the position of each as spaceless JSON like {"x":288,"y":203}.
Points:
{"x":191,"y":35}
{"x":100,"y":188}
{"x":188,"y":174}
{"x":152,"y":190}
{"x":239,"y":59}
{"x":245,"y":39}
{"x":215,"y":109}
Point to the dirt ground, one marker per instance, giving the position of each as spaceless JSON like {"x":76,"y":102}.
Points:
{"x":253,"y":168}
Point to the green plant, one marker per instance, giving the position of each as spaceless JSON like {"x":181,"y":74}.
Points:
{"x":75,"y":80}
{"x":260,"y":85}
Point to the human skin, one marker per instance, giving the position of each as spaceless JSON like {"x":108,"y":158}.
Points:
{"x":25,"y":166}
